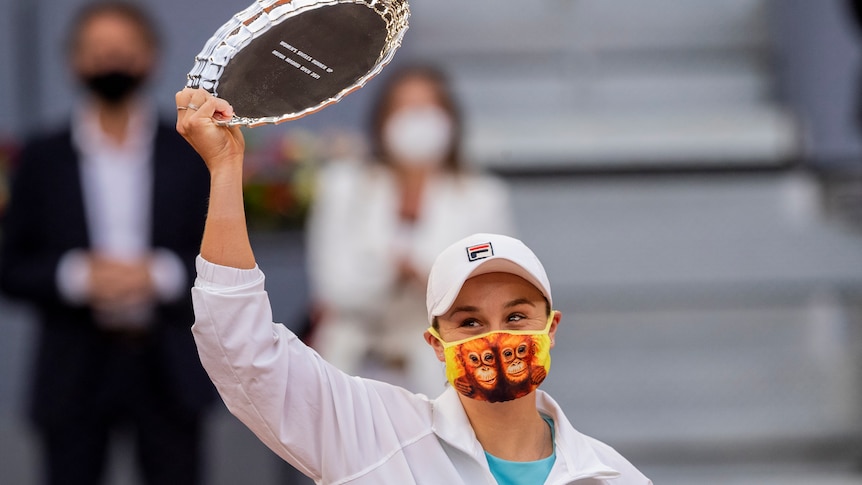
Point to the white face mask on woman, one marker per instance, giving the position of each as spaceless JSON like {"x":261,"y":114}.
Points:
{"x":419,"y":136}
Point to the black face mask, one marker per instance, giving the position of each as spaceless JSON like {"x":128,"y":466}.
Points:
{"x":113,"y":86}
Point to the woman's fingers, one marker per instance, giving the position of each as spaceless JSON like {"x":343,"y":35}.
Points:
{"x":198,"y":103}
{"x":222,"y":110}
{"x":197,"y":113}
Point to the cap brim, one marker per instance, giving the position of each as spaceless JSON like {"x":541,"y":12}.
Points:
{"x":497,"y":264}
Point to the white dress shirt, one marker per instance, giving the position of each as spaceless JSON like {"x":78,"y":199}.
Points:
{"x":117,"y":185}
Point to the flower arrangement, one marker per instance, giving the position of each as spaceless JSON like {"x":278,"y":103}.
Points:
{"x":279,"y":179}
{"x":280,"y":169}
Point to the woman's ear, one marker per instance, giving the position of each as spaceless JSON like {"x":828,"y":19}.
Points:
{"x":552,"y":331}
{"x":436,"y":345}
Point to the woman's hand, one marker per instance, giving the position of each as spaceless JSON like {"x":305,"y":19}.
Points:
{"x":197,"y":114}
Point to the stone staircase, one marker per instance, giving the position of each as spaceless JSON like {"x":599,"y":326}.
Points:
{"x":573,"y":84}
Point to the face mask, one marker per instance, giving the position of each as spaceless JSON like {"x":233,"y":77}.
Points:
{"x":498,"y":366}
{"x":113,"y":86}
{"x":418,"y":136}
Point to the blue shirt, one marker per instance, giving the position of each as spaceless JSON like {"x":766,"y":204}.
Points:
{"x":523,"y":472}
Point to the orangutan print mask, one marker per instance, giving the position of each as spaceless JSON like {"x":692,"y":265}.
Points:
{"x":500,"y":365}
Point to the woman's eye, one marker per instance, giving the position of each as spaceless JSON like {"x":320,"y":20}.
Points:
{"x":470,"y":322}
{"x":517,"y":317}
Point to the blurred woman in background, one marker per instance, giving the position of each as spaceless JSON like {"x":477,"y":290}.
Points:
{"x":376,"y":227}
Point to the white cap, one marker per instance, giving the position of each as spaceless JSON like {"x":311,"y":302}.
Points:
{"x":479,"y":254}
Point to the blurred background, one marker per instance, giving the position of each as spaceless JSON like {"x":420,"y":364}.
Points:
{"x":689,"y":171}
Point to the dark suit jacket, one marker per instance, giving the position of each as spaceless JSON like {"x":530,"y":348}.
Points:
{"x":45,"y":219}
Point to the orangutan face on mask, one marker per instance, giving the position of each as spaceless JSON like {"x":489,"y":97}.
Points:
{"x":112,"y":55}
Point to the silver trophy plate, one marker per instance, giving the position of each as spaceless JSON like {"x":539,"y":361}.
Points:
{"x":279,"y":60}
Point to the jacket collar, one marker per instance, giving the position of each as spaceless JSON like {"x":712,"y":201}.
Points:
{"x":450,"y":423}
{"x":574,"y":451}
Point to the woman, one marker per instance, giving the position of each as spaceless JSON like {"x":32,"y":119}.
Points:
{"x":491,"y":426}
{"x":398,"y":212}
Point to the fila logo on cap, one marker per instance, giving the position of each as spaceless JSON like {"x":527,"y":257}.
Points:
{"x":480,"y":251}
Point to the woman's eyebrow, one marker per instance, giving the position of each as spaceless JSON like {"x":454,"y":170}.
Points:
{"x":462,"y":308}
{"x":519,"y":301}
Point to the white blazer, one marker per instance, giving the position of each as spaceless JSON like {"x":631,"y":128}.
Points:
{"x":354,"y":233}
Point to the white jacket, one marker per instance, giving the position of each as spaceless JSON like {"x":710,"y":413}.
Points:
{"x":340,"y":429}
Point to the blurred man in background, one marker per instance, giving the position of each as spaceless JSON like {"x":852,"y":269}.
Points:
{"x":104,"y":222}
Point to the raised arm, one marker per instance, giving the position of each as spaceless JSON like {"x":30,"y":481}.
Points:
{"x":225,"y":239}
